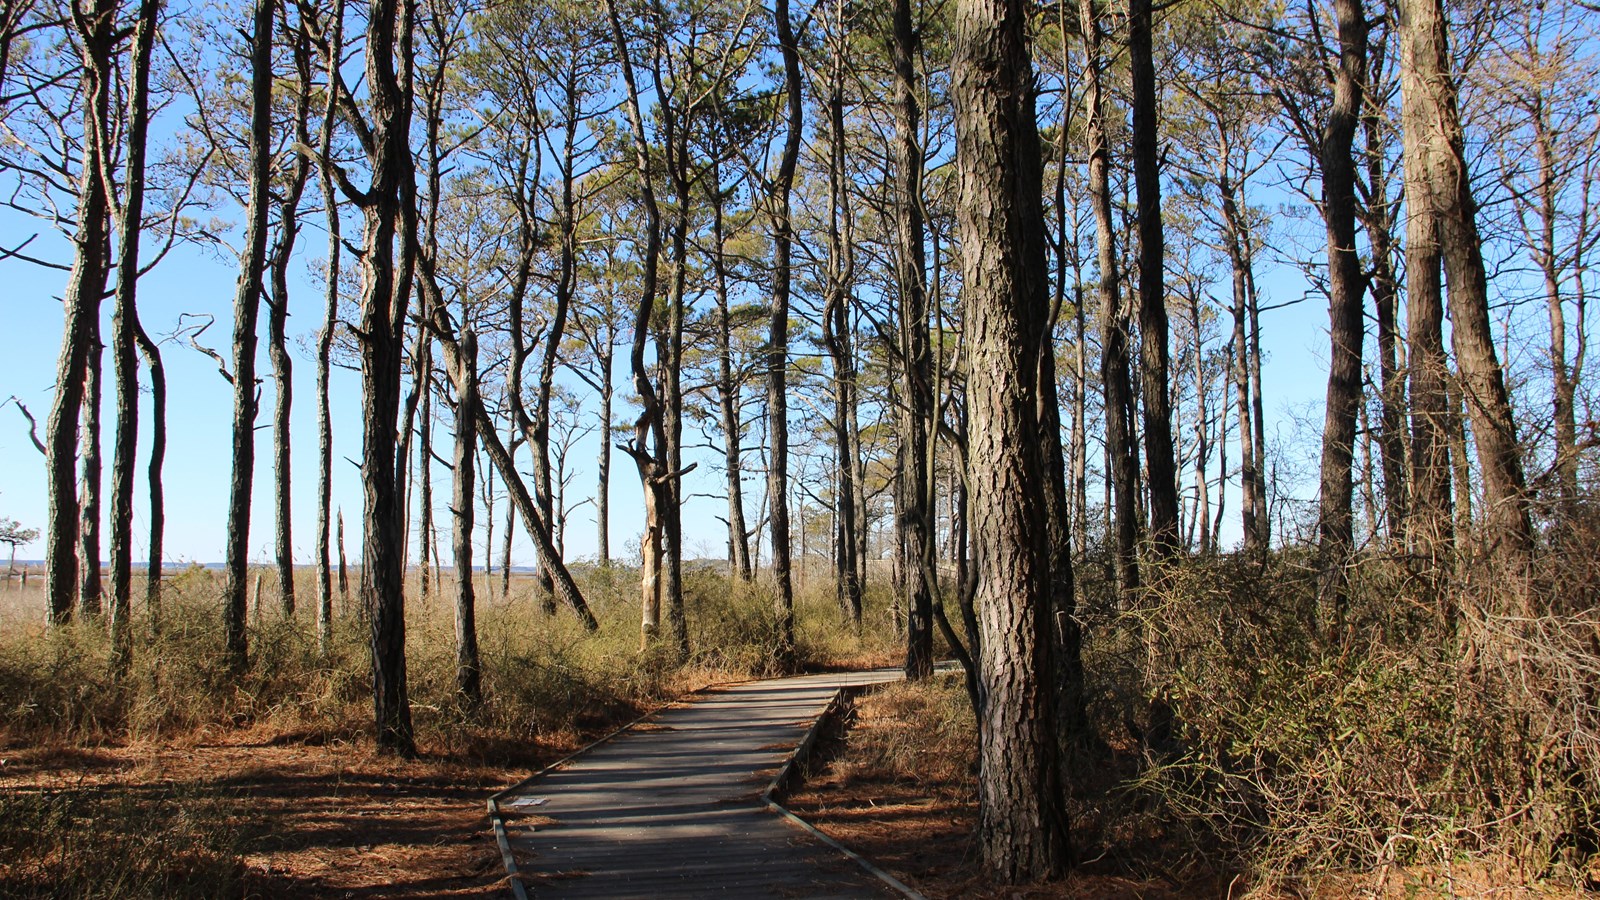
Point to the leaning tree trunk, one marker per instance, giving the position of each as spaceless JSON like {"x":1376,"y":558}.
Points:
{"x":539,"y":435}
{"x":246,"y":307}
{"x":1022,"y":832}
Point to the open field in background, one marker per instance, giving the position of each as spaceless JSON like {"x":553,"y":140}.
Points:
{"x":179,"y":781}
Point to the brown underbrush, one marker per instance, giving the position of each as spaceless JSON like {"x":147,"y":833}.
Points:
{"x":1444,"y":741}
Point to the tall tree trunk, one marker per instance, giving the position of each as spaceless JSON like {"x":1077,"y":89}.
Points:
{"x":158,"y":456}
{"x":670,"y":454}
{"x":124,"y":331}
{"x":278,"y":323}
{"x":246,"y":307}
{"x":426,"y":537}
{"x":916,"y":392}
{"x":728,"y":390}
{"x":1346,"y":289}
{"x":468,"y":671}
{"x":1022,"y":832}
{"x":1430,"y":526}
{"x":1460,"y":464}
{"x":125,"y":327}
{"x":344,"y":578}
{"x":1428,"y":87}
{"x":1202,"y":431}
{"x":1153,"y":338}
{"x":1114,"y":375}
{"x":1240,"y":264}
{"x":505,"y":546}
{"x":334,"y":35}
{"x":1080,"y":425}
{"x":89,"y":587}
{"x":649,"y":422}
{"x":836,"y":318}
{"x":390,"y":217}
{"x":432,"y":91}
{"x":778,"y":333}
{"x":1378,"y":216}
{"x":602,"y":500}
{"x":1258,"y":417}
{"x":1562,"y":389}
{"x":85,"y":286}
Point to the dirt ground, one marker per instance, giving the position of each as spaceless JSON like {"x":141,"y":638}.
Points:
{"x":330,"y":820}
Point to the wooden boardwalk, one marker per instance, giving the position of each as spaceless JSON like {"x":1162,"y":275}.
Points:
{"x":673,"y":807}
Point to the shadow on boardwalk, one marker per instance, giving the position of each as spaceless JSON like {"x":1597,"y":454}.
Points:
{"x":673,"y":808}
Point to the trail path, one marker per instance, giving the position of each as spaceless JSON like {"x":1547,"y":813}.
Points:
{"x":673,"y":807}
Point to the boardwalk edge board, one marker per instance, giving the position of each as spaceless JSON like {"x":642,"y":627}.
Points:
{"x":770,"y":796}
{"x":497,"y":821}
{"x":777,"y":791}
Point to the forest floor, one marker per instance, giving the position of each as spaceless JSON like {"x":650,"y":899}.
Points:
{"x":921,"y":830}
{"x":298,"y":819}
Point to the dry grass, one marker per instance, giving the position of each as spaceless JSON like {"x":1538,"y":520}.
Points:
{"x":178,"y":780}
